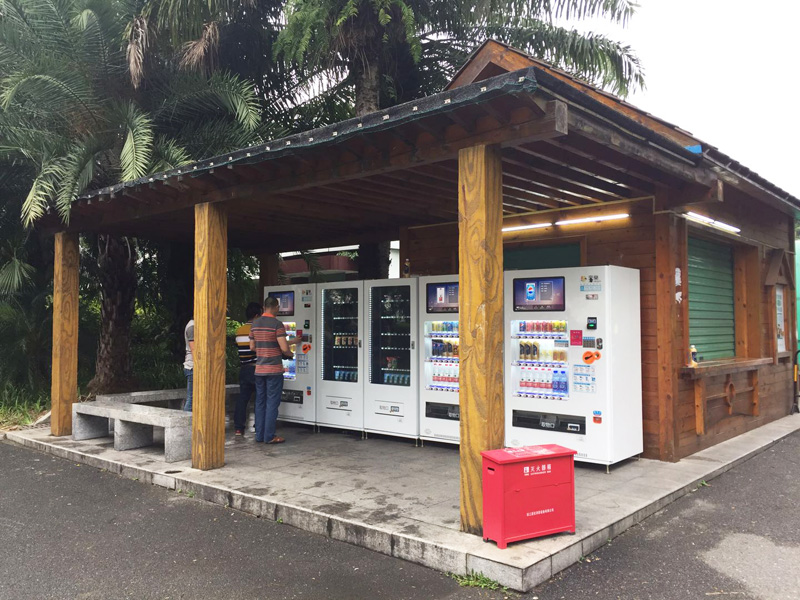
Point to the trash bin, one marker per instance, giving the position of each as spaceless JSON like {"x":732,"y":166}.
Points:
{"x":527,"y":492}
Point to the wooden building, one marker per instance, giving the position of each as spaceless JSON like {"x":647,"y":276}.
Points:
{"x":475,"y":179}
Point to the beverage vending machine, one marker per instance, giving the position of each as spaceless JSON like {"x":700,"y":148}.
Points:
{"x":296,"y":310}
{"x":439,"y":411}
{"x":573,"y":372}
{"x":340,"y":383}
{"x":391,"y":404}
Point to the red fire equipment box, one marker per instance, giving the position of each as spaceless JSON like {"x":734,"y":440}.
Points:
{"x":528,"y":492}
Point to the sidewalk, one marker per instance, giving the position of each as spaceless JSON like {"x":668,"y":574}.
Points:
{"x":394,"y":498}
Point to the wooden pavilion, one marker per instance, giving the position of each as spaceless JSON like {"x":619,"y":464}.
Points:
{"x":511,"y":142}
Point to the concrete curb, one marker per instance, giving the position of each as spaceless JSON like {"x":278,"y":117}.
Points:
{"x":521,"y":573}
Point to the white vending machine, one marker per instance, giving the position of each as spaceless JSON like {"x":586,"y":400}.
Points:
{"x":391,"y":403}
{"x":340,"y":382}
{"x":439,"y":411}
{"x":297,"y":311}
{"x":573,"y":373}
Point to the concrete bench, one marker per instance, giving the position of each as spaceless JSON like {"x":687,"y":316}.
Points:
{"x":133,"y":426}
{"x":169,"y":398}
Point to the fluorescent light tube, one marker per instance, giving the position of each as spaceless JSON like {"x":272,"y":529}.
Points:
{"x":593,"y":219}
{"x":522,"y":227}
{"x":711,"y":222}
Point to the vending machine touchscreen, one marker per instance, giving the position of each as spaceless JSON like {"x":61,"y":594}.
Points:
{"x":573,"y":361}
{"x":439,"y":411}
{"x":296,"y":310}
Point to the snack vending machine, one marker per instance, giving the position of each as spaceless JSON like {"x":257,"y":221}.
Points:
{"x":296,"y":310}
{"x":573,"y":373}
{"x":439,"y":411}
{"x":340,"y":385}
{"x":391,"y":404}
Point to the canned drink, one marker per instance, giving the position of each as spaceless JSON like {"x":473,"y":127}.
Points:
{"x":337,"y":341}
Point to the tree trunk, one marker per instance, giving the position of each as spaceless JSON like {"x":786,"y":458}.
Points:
{"x":373,"y":261}
{"x":368,"y":86}
{"x":117,"y":271}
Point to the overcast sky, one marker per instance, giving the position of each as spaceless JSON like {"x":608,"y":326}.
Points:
{"x":727,"y":71}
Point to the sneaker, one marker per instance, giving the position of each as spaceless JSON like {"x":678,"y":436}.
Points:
{"x":239,"y":432}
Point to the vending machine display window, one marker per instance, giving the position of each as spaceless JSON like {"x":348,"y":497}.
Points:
{"x":290,"y":365}
{"x":390,"y":335}
{"x":539,"y":294}
{"x":285,"y":303}
{"x":340,"y":334}
{"x":442,"y":297}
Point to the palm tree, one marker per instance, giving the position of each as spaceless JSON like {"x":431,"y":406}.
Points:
{"x":69,"y":110}
{"x":392,"y":50}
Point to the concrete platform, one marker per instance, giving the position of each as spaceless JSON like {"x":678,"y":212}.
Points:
{"x":402,"y":500}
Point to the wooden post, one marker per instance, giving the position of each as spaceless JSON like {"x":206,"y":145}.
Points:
{"x":666,"y":319}
{"x":480,"y":253}
{"x":64,"y":389}
{"x":268,"y":272}
{"x":210,"y":307}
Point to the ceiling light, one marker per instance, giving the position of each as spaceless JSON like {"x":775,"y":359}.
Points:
{"x":711,"y":222}
{"x":522,"y":227}
{"x":593,"y":219}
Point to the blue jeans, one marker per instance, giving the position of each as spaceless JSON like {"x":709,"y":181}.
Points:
{"x":187,"y":406}
{"x":247,"y":387}
{"x":268,"y":399}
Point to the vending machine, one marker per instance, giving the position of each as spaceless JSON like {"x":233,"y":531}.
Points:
{"x":296,"y":309}
{"x":439,"y":411}
{"x":573,"y":372}
{"x":340,"y":382}
{"x":391,"y":402}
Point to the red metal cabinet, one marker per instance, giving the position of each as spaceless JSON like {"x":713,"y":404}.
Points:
{"x":528,"y":492}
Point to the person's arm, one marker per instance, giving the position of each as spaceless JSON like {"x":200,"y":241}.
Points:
{"x":191,"y":347}
{"x":283,"y":343}
{"x":252,"y":345}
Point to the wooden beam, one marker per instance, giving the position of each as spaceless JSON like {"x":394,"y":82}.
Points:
{"x":666,"y":316}
{"x":64,"y":388}
{"x":523,"y":128}
{"x":210,"y":307}
{"x":480,"y":251}
{"x":700,"y":406}
{"x":640,"y":150}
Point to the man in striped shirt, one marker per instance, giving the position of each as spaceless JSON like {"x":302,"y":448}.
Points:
{"x":247,"y":368}
{"x":268,"y":340}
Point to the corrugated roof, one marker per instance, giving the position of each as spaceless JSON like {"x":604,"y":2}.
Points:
{"x":710,"y":152}
{"x":443,"y":102}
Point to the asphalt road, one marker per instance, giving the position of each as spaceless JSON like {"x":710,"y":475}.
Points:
{"x":70,"y":531}
{"x":738,"y":538}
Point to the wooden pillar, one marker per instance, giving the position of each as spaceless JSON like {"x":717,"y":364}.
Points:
{"x":210,"y":307}
{"x":480,"y":253}
{"x":666,"y":319}
{"x":268,"y":272}
{"x":64,"y":390}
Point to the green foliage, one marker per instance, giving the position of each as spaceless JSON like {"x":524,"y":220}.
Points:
{"x":19,"y":406}
{"x":478,"y":580}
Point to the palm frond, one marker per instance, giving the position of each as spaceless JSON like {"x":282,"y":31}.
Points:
{"x":191,"y":97}
{"x":137,"y":149}
{"x":138,"y":42}
{"x":168,"y":154}
{"x":202,"y":54}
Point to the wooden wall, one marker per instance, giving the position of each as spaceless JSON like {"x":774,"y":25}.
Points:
{"x":631,"y":243}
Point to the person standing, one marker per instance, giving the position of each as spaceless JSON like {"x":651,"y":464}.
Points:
{"x":188,"y":363}
{"x":268,"y":340}
{"x":247,"y":368}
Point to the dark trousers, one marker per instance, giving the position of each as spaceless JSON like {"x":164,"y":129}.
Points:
{"x":268,"y":399}
{"x":247,"y":387}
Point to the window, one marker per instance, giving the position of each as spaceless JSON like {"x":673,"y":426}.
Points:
{"x":712,"y":326}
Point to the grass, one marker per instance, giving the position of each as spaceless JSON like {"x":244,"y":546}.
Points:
{"x":20,"y":407}
{"x":477,"y":580}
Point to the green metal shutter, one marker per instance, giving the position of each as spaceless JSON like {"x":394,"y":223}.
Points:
{"x":711,"y":317}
